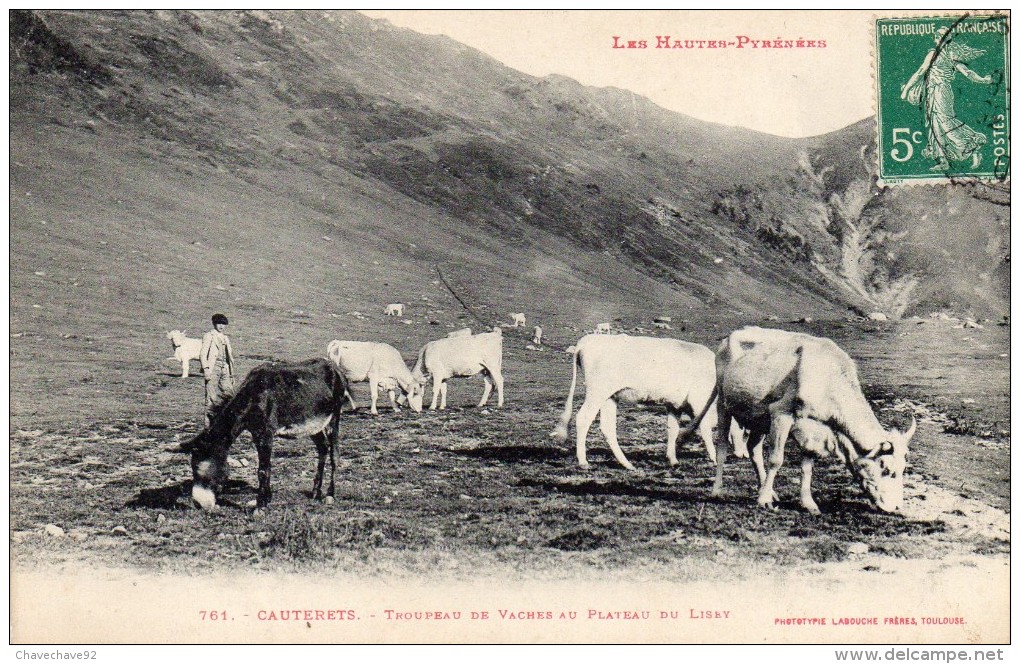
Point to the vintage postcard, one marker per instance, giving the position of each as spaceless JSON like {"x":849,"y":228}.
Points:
{"x":510,"y":327}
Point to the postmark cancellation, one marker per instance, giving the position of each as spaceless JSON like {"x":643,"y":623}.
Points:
{"x":942,"y":86}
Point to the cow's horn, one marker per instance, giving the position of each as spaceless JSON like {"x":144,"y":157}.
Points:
{"x":909,"y":433}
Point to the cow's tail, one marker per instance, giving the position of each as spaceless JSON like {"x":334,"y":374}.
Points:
{"x":700,"y":416}
{"x":560,"y":432}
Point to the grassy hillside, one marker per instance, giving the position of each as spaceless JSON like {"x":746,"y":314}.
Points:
{"x":292,"y":168}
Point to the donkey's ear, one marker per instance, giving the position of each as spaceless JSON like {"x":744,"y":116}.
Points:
{"x":189,"y":445}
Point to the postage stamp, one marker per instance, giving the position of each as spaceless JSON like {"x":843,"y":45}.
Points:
{"x":942,"y":85}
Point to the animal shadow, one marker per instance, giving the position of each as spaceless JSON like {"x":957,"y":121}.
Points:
{"x":513,"y":453}
{"x":595,"y":487}
{"x":163,"y":498}
{"x":178,"y":496}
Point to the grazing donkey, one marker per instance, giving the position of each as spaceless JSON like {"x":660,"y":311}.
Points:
{"x":288,"y":399}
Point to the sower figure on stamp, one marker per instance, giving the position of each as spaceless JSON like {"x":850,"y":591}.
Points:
{"x":217,"y":359}
{"x":931,"y":88}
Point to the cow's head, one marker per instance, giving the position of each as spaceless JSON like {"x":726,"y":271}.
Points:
{"x":414,"y":396}
{"x":880,"y":470}
{"x":208,"y":471}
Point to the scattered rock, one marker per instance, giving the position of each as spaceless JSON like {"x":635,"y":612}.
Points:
{"x":78,"y":535}
{"x":877,"y":315}
{"x":40,"y":273}
{"x":464,"y":496}
{"x":160,"y":518}
{"x":244,"y":462}
{"x":233,"y":463}
{"x":858,"y":549}
{"x":119,"y":530}
{"x":807,"y":319}
{"x":974,"y":325}
{"x":717,"y":260}
{"x":54,"y":530}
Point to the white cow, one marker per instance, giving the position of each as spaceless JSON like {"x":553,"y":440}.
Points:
{"x":519,"y":320}
{"x":462,"y":356}
{"x":381,"y":366}
{"x":396,"y":309}
{"x":185,"y":349}
{"x":536,"y":338}
{"x":462,"y":332}
{"x":603,"y":328}
{"x":620,"y":367}
{"x":786,"y":384}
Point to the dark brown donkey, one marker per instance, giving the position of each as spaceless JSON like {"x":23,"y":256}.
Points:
{"x":288,"y":399}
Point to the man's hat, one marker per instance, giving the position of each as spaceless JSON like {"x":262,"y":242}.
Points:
{"x":218,"y":319}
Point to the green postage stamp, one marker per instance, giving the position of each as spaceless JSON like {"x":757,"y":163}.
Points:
{"x":942,"y":85}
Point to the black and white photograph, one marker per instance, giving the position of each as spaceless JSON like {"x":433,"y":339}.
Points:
{"x":510,"y":327}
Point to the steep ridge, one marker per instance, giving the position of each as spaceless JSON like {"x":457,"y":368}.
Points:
{"x":252,"y":135}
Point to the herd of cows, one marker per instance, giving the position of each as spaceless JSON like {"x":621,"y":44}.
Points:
{"x":760,"y":385}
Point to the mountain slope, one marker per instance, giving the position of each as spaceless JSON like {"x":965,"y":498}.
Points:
{"x":222,"y":147}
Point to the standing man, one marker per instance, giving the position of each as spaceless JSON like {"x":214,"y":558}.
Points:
{"x":218,"y":367}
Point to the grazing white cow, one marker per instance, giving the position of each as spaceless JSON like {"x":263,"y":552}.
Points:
{"x":185,"y":349}
{"x":786,"y":384}
{"x":678,"y":374}
{"x":519,"y":320}
{"x":462,"y":332}
{"x":381,"y":366}
{"x":396,"y":309}
{"x":462,"y":356}
{"x":536,"y":338}
{"x":603,"y":328}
